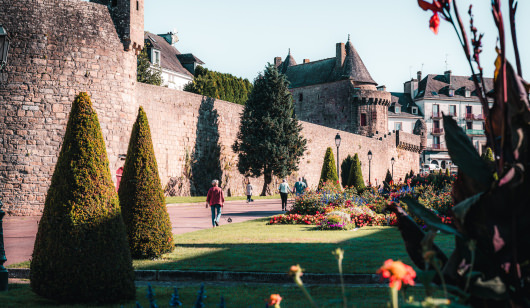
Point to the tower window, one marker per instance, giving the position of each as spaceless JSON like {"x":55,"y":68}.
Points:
{"x":363,"y":119}
{"x":114,"y":3}
{"x":300,"y":97}
{"x":137,"y":5}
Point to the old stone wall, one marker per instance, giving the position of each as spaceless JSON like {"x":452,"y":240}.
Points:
{"x":58,"y":49}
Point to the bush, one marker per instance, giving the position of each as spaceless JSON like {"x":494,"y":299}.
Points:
{"x":329,"y":171}
{"x":81,"y":252}
{"x":142,"y":199}
{"x":355,"y":178}
{"x":345,"y":168}
{"x":336,"y":220}
{"x":388,"y":177}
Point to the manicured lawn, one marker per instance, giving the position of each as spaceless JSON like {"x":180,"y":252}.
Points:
{"x":240,"y":295}
{"x":255,"y":246}
{"x":196,"y":199}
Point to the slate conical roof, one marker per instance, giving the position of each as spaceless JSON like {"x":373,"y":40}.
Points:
{"x":354,"y":68}
{"x":289,"y":61}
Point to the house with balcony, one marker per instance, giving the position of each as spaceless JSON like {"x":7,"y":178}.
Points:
{"x":434,"y":96}
{"x":177,"y":69}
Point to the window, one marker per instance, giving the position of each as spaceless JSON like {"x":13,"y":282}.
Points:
{"x":436,"y":141}
{"x":469,"y":125}
{"x":156,"y":57}
{"x":436,"y":111}
{"x":451,"y":92}
{"x":452,"y":110}
{"x":398,"y":126}
{"x":363,"y":119}
{"x":300,"y":97}
{"x":137,"y":5}
{"x":467,"y":93}
{"x":397,"y":109}
{"x":414,"y":110}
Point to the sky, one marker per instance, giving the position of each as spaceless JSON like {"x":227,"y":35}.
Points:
{"x":392,"y":36}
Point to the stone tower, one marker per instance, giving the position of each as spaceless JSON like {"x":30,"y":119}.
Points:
{"x":128,"y":18}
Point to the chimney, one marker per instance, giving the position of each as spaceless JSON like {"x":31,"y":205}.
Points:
{"x":447,"y":76}
{"x":306,"y":61}
{"x":277,"y":61}
{"x":419,"y":76}
{"x":340,"y":55}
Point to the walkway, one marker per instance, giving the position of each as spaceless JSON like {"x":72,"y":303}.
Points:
{"x":20,"y":232}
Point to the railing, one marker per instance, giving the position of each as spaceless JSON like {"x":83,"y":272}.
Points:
{"x":469,"y":116}
{"x":437,"y":147}
{"x":436,"y":114}
{"x":437,"y":130}
{"x":474,"y":131}
{"x":478,"y":117}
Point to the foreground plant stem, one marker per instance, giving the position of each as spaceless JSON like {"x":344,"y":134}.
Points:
{"x":394,"y":294}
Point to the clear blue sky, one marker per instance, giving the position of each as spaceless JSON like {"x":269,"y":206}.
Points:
{"x":391,"y":36}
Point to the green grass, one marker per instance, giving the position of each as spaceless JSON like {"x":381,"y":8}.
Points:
{"x":255,"y":246}
{"x":197,"y":199}
{"x":241,"y":295}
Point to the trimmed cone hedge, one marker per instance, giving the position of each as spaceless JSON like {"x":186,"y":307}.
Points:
{"x":356,"y":175}
{"x":141,"y":197}
{"x":81,"y":252}
{"x":329,"y":170}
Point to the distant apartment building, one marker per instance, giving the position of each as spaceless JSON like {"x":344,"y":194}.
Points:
{"x":177,"y":69}
{"x":422,"y":104}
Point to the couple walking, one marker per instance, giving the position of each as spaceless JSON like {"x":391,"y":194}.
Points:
{"x":284,"y":189}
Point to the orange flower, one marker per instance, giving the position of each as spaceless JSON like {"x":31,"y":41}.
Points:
{"x":398,"y":273}
{"x":295,"y":270}
{"x":437,"y":6}
{"x":274,"y":300}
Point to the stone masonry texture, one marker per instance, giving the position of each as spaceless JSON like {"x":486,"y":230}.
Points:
{"x":62,"y":47}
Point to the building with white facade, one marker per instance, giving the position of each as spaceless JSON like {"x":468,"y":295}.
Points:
{"x":177,"y":69}
{"x":432,"y":97}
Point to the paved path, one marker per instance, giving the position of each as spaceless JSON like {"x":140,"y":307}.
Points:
{"x":20,"y":232}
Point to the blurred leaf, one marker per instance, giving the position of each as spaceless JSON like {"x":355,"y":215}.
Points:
{"x":429,"y":217}
{"x":460,"y":210}
{"x":426,"y":277}
{"x":489,"y":289}
{"x":457,"y":291}
{"x":464,"y":154}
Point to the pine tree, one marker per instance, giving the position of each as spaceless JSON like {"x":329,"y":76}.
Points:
{"x":329,"y":171}
{"x":388,"y":177}
{"x":141,"y":197}
{"x":345,"y":170}
{"x":269,"y":140}
{"x":144,"y":72}
{"x":356,"y":175}
{"x":81,"y":252}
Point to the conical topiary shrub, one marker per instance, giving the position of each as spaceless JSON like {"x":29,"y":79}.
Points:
{"x":345,"y":170}
{"x":329,"y":171}
{"x":81,"y":252}
{"x":388,"y":177}
{"x":141,"y":197}
{"x":356,"y":175}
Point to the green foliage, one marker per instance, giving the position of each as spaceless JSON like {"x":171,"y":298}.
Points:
{"x":488,"y":155}
{"x":329,"y":171}
{"x":345,"y":168}
{"x":269,"y":140}
{"x":356,"y":176}
{"x":81,"y":252}
{"x":142,"y":200}
{"x":144,"y":72}
{"x":388,"y":177}
{"x":221,"y":86}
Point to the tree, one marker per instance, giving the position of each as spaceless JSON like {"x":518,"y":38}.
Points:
{"x":144,"y":72}
{"x":81,"y":252}
{"x":329,"y":171}
{"x":388,"y":177}
{"x":141,"y":197}
{"x":269,"y":140}
{"x":356,"y":175}
{"x":345,"y":170}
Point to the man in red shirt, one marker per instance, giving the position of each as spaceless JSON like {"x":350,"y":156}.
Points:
{"x":215,"y":200}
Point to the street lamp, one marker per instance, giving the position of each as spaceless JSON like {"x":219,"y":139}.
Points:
{"x":337,"y":143}
{"x":4,"y":48}
{"x":392,"y":161}
{"x":3,"y":270}
{"x":369,"y":167}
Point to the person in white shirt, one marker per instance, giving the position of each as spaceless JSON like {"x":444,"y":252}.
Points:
{"x":284,"y":191}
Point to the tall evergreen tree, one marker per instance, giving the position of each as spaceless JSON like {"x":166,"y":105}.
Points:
{"x":388,"y":177}
{"x":144,"y":72}
{"x":141,"y":197}
{"x":269,"y":140}
{"x":81,"y":252}
{"x":329,"y":170}
{"x":356,"y":175}
{"x":345,"y":168}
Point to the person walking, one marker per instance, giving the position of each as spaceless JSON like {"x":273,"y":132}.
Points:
{"x":250,"y":188}
{"x":215,"y":199}
{"x":284,"y":191}
{"x":299,"y":187}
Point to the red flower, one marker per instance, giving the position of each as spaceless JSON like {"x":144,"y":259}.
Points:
{"x":398,"y":272}
{"x":434,"y":23}
{"x":274,"y":299}
{"x":437,"y":6}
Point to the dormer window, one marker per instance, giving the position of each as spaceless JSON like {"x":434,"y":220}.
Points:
{"x":397,"y":109}
{"x":155,"y":57}
{"x":451,"y":92}
{"x":467,"y":93}
{"x":414,"y":110}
